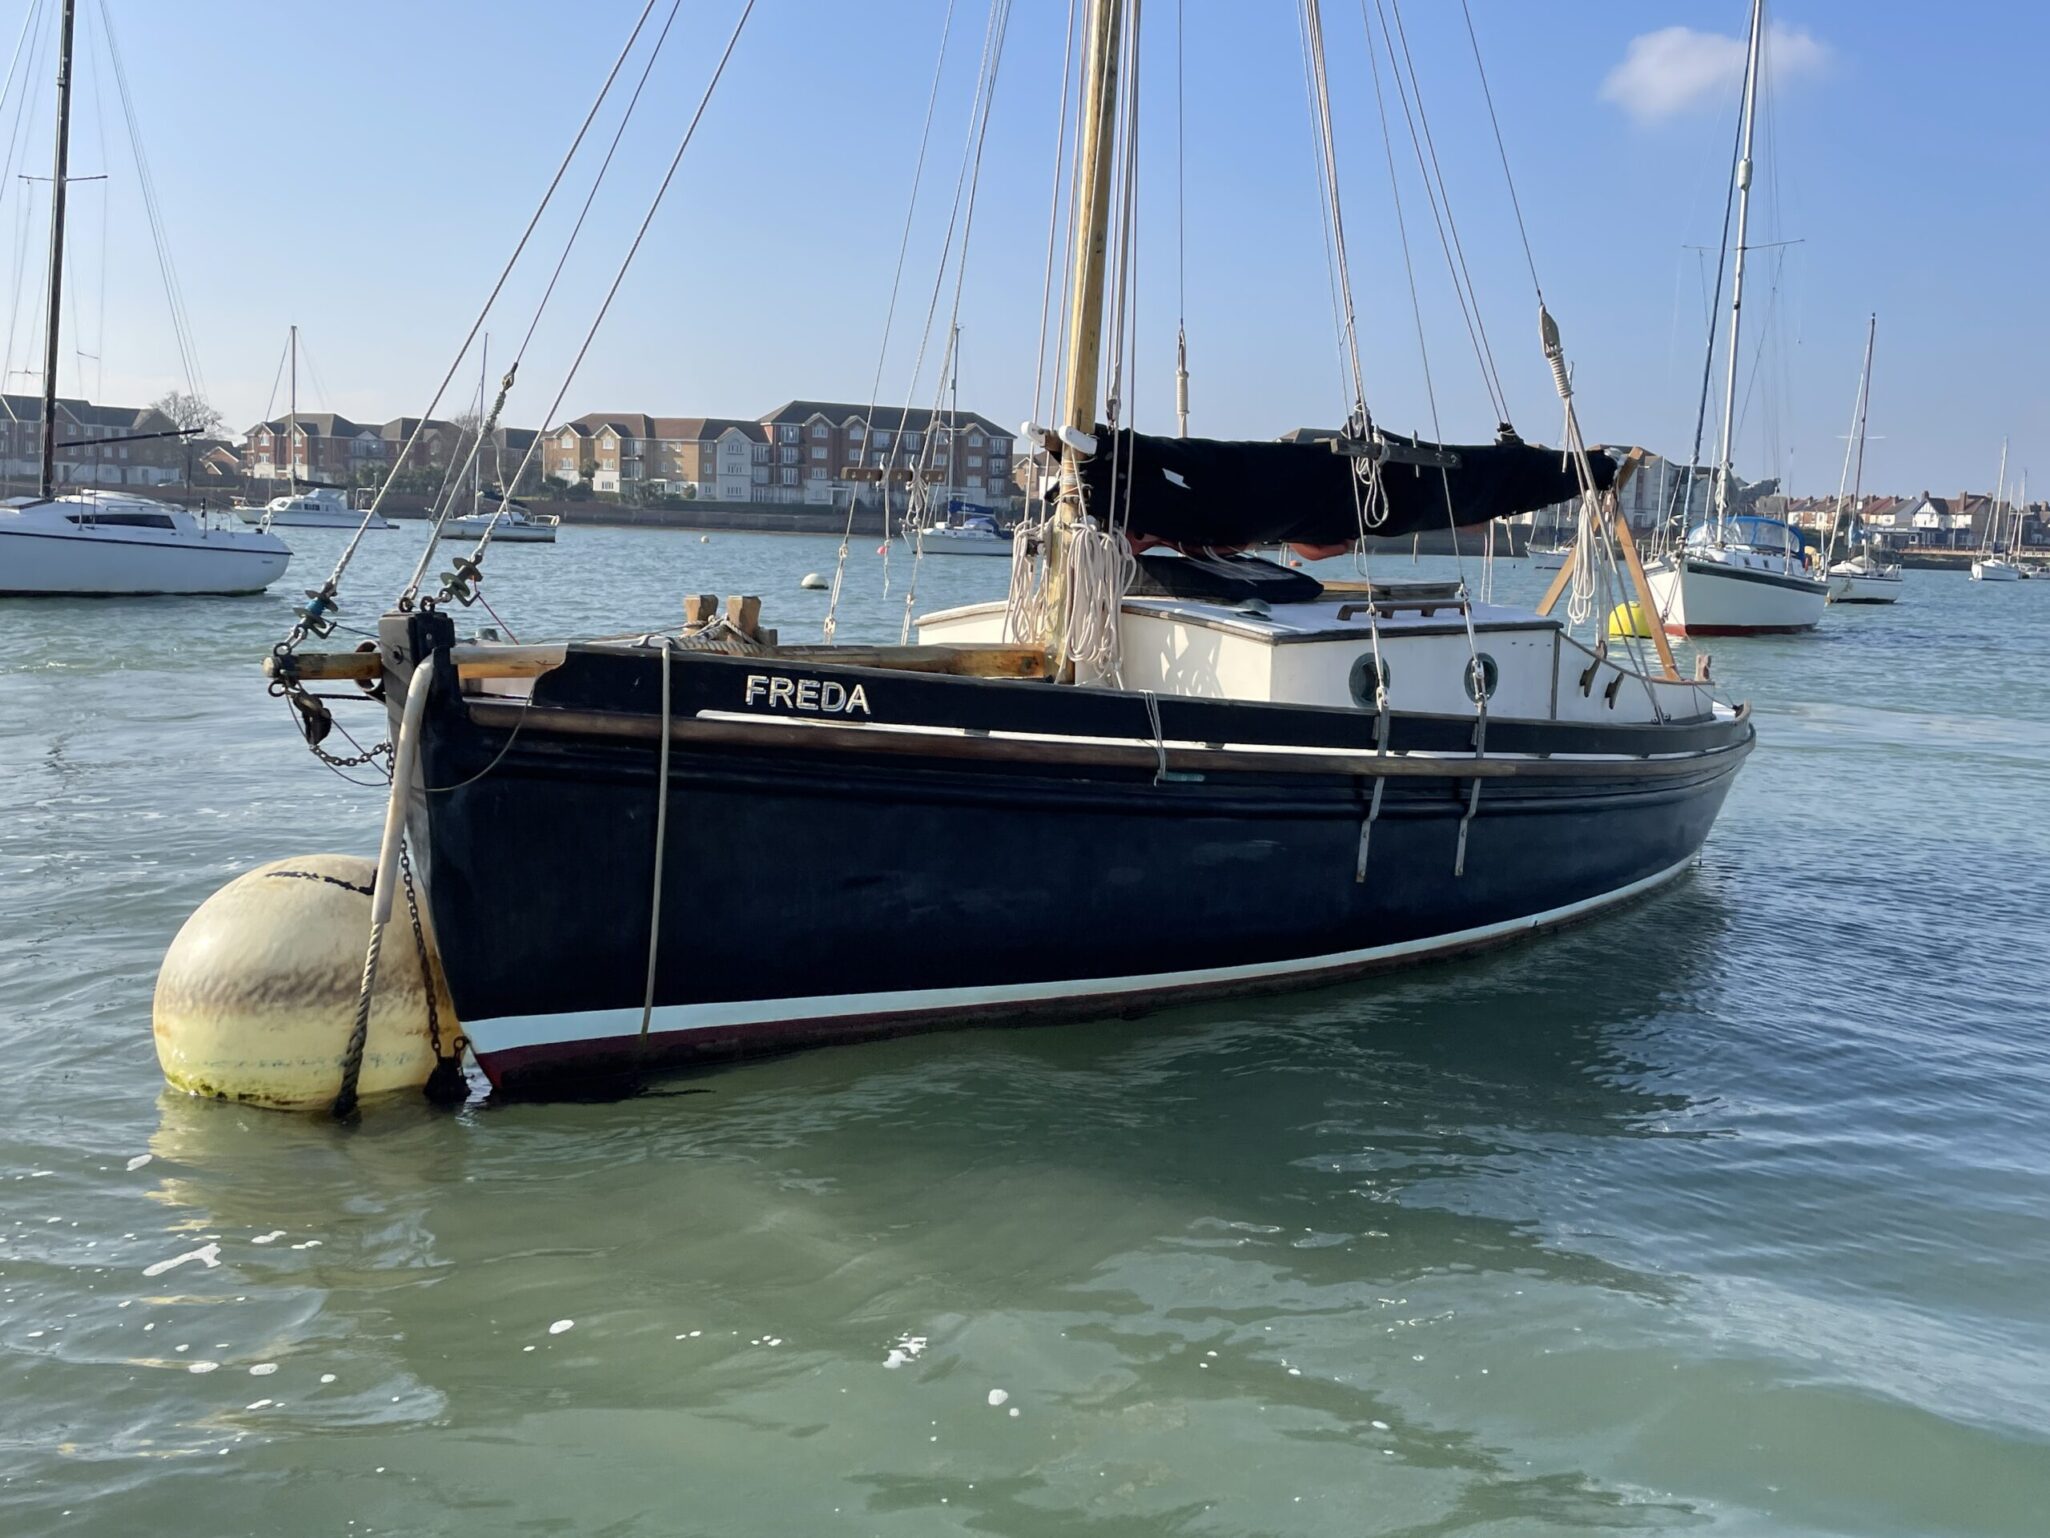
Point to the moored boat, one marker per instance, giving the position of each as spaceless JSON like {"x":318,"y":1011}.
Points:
{"x":514,"y":524}
{"x":101,"y":544}
{"x":94,"y":544}
{"x":314,"y":507}
{"x":1162,"y":769}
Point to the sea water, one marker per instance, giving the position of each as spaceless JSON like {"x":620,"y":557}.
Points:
{"x":1728,"y":1213}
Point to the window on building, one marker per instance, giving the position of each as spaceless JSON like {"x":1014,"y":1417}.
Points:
{"x":911,"y":440}
{"x":819,"y":429}
{"x":882,"y":440}
{"x":818,"y":451}
{"x":975,"y":483}
{"x":788,"y":433}
{"x":975,"y":461}
{"x":975,"y":440}
{"x":790,"y":456}
{"x":761,"y":477}
{"x":856,"y":432}
{"x":789,"y":477}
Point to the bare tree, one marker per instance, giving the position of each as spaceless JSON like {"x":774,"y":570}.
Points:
{"x":191,"y":412}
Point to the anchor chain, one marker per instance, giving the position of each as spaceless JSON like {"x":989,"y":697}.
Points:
{"x":446,"y":1084}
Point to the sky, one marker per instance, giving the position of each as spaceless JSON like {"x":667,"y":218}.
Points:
{"x":363,"y":171}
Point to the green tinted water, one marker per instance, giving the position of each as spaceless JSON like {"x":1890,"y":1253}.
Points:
{"x":1728,"y":1213}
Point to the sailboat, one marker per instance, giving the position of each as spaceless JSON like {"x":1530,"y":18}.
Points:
{"x":317,"y":506}
{"x":1994,"y":562}
{"x":100,"y":543}
{"x":1150,"y":777}
{"x":1554,"y":548}
{"x":507,"y":519}
{"x":1739,"y":573}
{"x":1869,"y":574}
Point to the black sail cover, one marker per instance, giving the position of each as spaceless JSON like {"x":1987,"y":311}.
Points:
{"x":1219,"y":494}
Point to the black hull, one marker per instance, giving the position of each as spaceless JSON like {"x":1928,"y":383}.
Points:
{"x":823,"y":882}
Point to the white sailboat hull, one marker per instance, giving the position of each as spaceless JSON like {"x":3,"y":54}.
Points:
{"x":312,"y":518}
{"x":44,"y":554}
{"x":1863,"y":586}
{"x":1543,"y":559}
{"x":1701,"y":595}
{"x":536,"y":531}
{"x":1994,"y":569}
{"x":964,"y":542}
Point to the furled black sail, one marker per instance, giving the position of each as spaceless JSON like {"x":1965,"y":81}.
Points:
{"x":1209,"y":492}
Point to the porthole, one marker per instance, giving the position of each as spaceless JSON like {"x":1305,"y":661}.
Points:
{"x":1362,"y":681}
{"x":1490,"y":675}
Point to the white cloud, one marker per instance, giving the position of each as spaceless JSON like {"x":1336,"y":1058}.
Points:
{"x":1676,"y":69}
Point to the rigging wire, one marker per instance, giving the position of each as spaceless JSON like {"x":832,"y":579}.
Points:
{"x":456,"y":475}
{"x":174,"y":293}
{"x":619,"y":277}
{"x":1000,"y":18}
{"x":832,"y":620}
{"x":323,"y":600}
{"x":1441,"y":217}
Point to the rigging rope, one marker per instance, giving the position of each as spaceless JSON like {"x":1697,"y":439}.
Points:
{"x":489,"y":425}
{"x":875,"y":390}
{"x":313,"y":615}
{"x":626,"y":262}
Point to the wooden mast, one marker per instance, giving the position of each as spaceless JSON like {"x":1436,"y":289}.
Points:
{"x":1094,"y":153}
{"x":1722,"y":486}
{"x":58,"y":184}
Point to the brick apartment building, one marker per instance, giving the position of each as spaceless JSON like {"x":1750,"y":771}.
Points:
{"x":804,"y":451}
{"x":84,"y":457}
{"x":334,"y":449}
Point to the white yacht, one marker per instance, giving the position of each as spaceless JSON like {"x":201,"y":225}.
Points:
{"x":1740,"y":575}
{"x":515,"y":526}
{"x":1867,"y":577}
{"x":102,"y":544}
{"x":974,"y":534}
{"x":1998,"y":560}
{"x":1737,"y":573}
{"x":312,"y":507}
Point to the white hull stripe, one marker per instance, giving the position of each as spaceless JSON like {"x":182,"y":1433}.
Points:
{"x":515,"y":1032}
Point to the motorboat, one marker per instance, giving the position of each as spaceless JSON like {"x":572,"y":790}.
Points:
{"x":110,"y":544}
{"x":969,"y":534}
{"x":313,"y":507}
{"x":515,"y":525}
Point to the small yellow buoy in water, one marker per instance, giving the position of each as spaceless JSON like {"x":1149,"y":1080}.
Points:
{"x":257,"y":994}
{"x":1627,"y":619}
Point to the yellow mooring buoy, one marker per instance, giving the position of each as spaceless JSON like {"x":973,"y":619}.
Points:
{"x":257,"y":994}
{"x":1627,"y":619}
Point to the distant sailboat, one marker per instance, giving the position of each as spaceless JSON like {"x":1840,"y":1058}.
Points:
{"x":1995,"y":563}
{"x":316,"y":507}
{"x":1869,"y":574}
{"x":1738,"y":574}
{"x":109,"y":544}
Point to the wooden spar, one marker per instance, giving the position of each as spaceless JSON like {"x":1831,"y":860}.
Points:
{"x":53,"y":329}
{"x":1626,"y":542}
{"x":974,"y":659}
{"x":793,"y":734}
{"x":1565,"y":575}
{"x":1094,"y":152}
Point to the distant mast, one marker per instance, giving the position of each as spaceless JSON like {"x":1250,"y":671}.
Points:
{"x":57,"y":187}
{"x":292,"y":419}
{"x":1722,"y":485}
